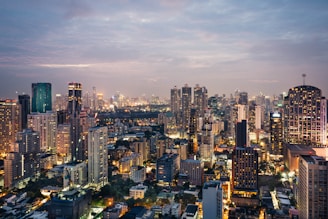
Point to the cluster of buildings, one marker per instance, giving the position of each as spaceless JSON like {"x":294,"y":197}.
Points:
{"x":216,"y":144}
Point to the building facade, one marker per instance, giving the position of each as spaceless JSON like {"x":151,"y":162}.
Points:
{"x":41,"y":97}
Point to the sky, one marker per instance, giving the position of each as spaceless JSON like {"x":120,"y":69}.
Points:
{"x":146,"y":47}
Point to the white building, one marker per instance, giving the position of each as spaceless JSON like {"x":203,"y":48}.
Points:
{"x":138,"y":191}
{"x":97,"y":156}
{"x":212,"y":200}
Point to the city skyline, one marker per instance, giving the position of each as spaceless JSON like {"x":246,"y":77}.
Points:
{"x":148,"y":47}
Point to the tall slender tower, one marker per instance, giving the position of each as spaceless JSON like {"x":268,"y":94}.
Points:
{"x":200,"y":99}
{"x":276,"y":133}
{"x":41,"y":97}
{"x":97,"y":156}
{"x":24,"y":101}
{"x":74,"y":109}
{"x":305,"y":118}
{"x":186,"y":106}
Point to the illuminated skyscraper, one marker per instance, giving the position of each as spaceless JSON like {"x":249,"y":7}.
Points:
{"x":10,"y":123}
{"x":186,"y":106}
{"x":74,"y":109}
{"x":24,"y":101}
{"x":305,"y":116}
{"x":97,"y":156}
{"x":41,"y":97}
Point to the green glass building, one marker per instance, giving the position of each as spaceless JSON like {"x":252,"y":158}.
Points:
{"x":41,"y":97}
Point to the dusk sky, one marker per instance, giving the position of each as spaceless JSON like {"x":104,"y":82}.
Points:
{"x":149,"y":46}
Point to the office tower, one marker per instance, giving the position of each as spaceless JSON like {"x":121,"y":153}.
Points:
{"x":13,"y":169}
{"x":276,"y":134}
{"x":186,"y":106}
{"x":241,"y":134}
{"x":200,"y":100}
{"x":312,"y":187}
{"x":212,"y":200}
{"x":60,"y":102}
{"x":194,"y":169}
{"x":10,"y":124}
{"x":242,"y":112}
{"x":175,"y":100}
{"x":24,"y":101}
{"x":305,"y":120}
{"x":63,"y":143}
{"x":46,"y":125}
{"x":166,"y":167}
{"x":245,"y":176}
{"x":74,"y":109}
{"x":41,"y":97}
{"x":97,"y":157}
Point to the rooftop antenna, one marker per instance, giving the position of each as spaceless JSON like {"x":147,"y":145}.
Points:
{"x":304,"y":76}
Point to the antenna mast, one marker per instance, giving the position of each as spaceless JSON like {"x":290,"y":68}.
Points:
{"x":304,"y":76}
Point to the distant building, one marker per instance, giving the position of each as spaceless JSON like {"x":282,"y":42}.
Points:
{"x":241,"y":134}
{"x":41,"y":97}
{"x":13,"y":167}
{"x":186,"y":106}
{"x":72,"y":204}
{"x":63,"y":143}
{"x":312,"y":187}
{"x":212,"y":200}
{"x":200,"y":100}
{"x":138,"y":174}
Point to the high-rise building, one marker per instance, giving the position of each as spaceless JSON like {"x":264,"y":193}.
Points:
{"x":98,"y":156}
{"x":142,"y":147}
{"x":166,"y":167}
{"x":74,"y":109}
{"x":186,"y":106}
{"x":305,"y":120}
{"x":212,"y":200}
{"x":63,"y":143}
{"x":276,"y":134}
{"x":200,"y":99}
{"x":10,"y":124}
{"x":312,"y":187}
{"x":241,"y":134}
{"x":259,"y":117}
{"x":24,"y":101}
{"x":245,"y":176}
{"x":13,"y":169}
{"x":242,"y":98}
{"x":41,"y":97}
{"x":46,"y":125}
{"x":194,"y":169}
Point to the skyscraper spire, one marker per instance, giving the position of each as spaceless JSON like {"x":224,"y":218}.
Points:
{"x":304,"y":76}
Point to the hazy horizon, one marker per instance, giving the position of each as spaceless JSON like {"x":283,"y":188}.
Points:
{"x":148,"y":47}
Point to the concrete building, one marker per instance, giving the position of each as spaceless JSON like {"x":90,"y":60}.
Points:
{"x":74,"y":174}
{"x":312,"y":187}
{"x":194,"y":169}
{"x":212,"y":200}
{"x":166,"y":167}
{"x":191,"y":212}
{"x":293,"y":153}
{"x":138,"y":191}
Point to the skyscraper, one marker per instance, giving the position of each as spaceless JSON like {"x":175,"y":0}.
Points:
{"x":276,"y":133}
{"x":10,"y":124}
{"x":305,"y":120}
{"x":41,"y":97}
{"x":24,"y":101}
{"x":186,"y":106}
{"x":97,"y":156}
{"x":74,"y":109}
{"x":175,"y":100}
{"x":200,"y":99}
{"x":212,"y":200}
{"x":245,"y":176}
{"x":312,"y":187}
{"x":241,"y":134}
